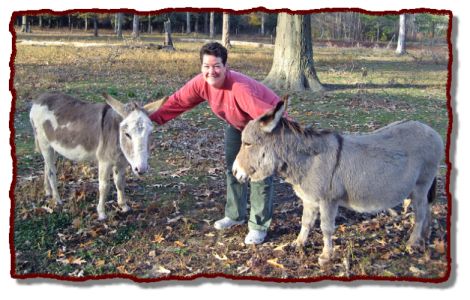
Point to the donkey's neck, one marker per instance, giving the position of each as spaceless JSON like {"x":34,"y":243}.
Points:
{"x":110,"y":121}
{"x":297,"y":151}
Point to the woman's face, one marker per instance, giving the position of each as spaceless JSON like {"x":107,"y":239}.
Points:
{"x":213,"y":70}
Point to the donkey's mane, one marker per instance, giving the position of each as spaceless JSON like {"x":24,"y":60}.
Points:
{"x":297,"y":129}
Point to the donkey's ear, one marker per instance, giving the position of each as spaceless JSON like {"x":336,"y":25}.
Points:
{"x":270,"y":119}
{"x":152,"y":107}
{"x":116,"y":105}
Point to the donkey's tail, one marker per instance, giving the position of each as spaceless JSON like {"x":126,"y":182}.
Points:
{"x":432,"y":193}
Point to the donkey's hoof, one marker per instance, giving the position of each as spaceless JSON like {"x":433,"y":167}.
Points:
{"x":101,"y":216}
{"x":417,"y":245}
{"x":125,"y":208}
{"x":324,"y":260}
{"x":298,"y":243}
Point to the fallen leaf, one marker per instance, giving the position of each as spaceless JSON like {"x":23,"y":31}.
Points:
{"x":242,"y":269}
{"x":168,"y":220}
{"x":281,"y":247}
{"x":162,"y":270}
{"x":86,"y":244}
{"x":274,"y":263}
{"x":341,"y":228}
{"x":179,"y":244}
{"x":100,"y":263}
{"x":223,"y":257}
{"x":179,"y":172}
{"x":152,"y":253}
{"x":416,"y":270}
{"x":78,"y":261}
{"x":158,"y":238}
{"x":47,"y":209}
{"x":93,"y":233}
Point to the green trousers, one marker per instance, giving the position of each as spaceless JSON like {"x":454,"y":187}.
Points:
{"x":261,"y":192}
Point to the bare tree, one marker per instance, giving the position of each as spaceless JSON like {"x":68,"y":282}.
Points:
{"x":188,"y":22}
{"x":168,"y":44}
{"x":401,"y":45}
{"x":226,"y":31}
{"x":206,"y":23}
{"x":25,"y":26}
{"x":135,"y":27}
{"x":211,"y":26}
{"x":293,"y":66}
{"x":263,"y":20}
{"x":95,"y":25}
{"x":86,"y":23}
{"x":119,"y":17}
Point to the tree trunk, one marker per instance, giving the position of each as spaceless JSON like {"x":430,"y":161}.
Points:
{"x":196,"y":24}
{"x":135,"y":27}
{"x":168,"y":44}
{"x":119,"y":17}
{"x":188,"y":22}
{"x":211,"y":26}
{"x":24,"y":24}
{"x":226,"y":31}
{"x":206,"y":23}
{"x":86,"y":24}
{"x":95,"y":25}
{"x":293,"y":66}
{"x":263,"y":20}
{"x":401,"y":45}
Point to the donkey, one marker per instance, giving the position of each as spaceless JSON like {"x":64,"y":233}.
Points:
{"x":113,"y":134}
{"x":365,"y":173}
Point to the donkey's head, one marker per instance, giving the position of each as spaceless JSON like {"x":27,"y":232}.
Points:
{"x":257,"y":158}
{"x":134,"y":131}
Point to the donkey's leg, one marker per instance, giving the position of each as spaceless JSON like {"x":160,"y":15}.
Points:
{"x":50,"y":173}
{"x":328,"y":209}
{"x":309,"y":216}
{"x":120,"y":182}
{"x":104,"y":170}
{"x":432,"y":194}
{"x":420,"y":208}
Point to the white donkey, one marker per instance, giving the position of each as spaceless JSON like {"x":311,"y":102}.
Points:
{"x":113,"y":134}
{"x":365,"y":173}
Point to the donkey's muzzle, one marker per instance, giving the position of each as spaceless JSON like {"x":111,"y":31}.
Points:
{"x":239,"y":172}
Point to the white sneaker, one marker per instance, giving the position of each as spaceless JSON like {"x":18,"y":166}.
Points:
{"x":255,"y":236}
{"x":225,"y":223}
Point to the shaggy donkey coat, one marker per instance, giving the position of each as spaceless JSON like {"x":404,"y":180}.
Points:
{"x":112,"y":134}
{"x":366,"y":173}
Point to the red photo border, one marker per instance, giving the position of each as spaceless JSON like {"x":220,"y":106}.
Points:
{"x":222,"y":275}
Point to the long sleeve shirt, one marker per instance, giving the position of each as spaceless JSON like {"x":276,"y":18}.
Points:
{"x":238,"y":101}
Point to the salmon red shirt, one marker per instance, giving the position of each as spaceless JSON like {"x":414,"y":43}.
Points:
{"x":240,"y":100}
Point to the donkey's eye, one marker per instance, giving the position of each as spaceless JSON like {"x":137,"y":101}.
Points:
{"x":246,"y":144}
{"x":128,"y":136}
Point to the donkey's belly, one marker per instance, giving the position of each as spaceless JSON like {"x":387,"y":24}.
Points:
{"x":78,"y":153}
{"x":363,"y":202}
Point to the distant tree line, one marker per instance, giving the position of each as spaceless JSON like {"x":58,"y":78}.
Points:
{"x":352,"y":26}
{"x":181,"y":22}
{"x":340,"y":26}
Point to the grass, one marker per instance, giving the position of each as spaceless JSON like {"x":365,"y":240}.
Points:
{"x":169,"y":230}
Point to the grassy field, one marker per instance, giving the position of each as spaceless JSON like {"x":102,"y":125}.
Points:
{"x":169,"y":230}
